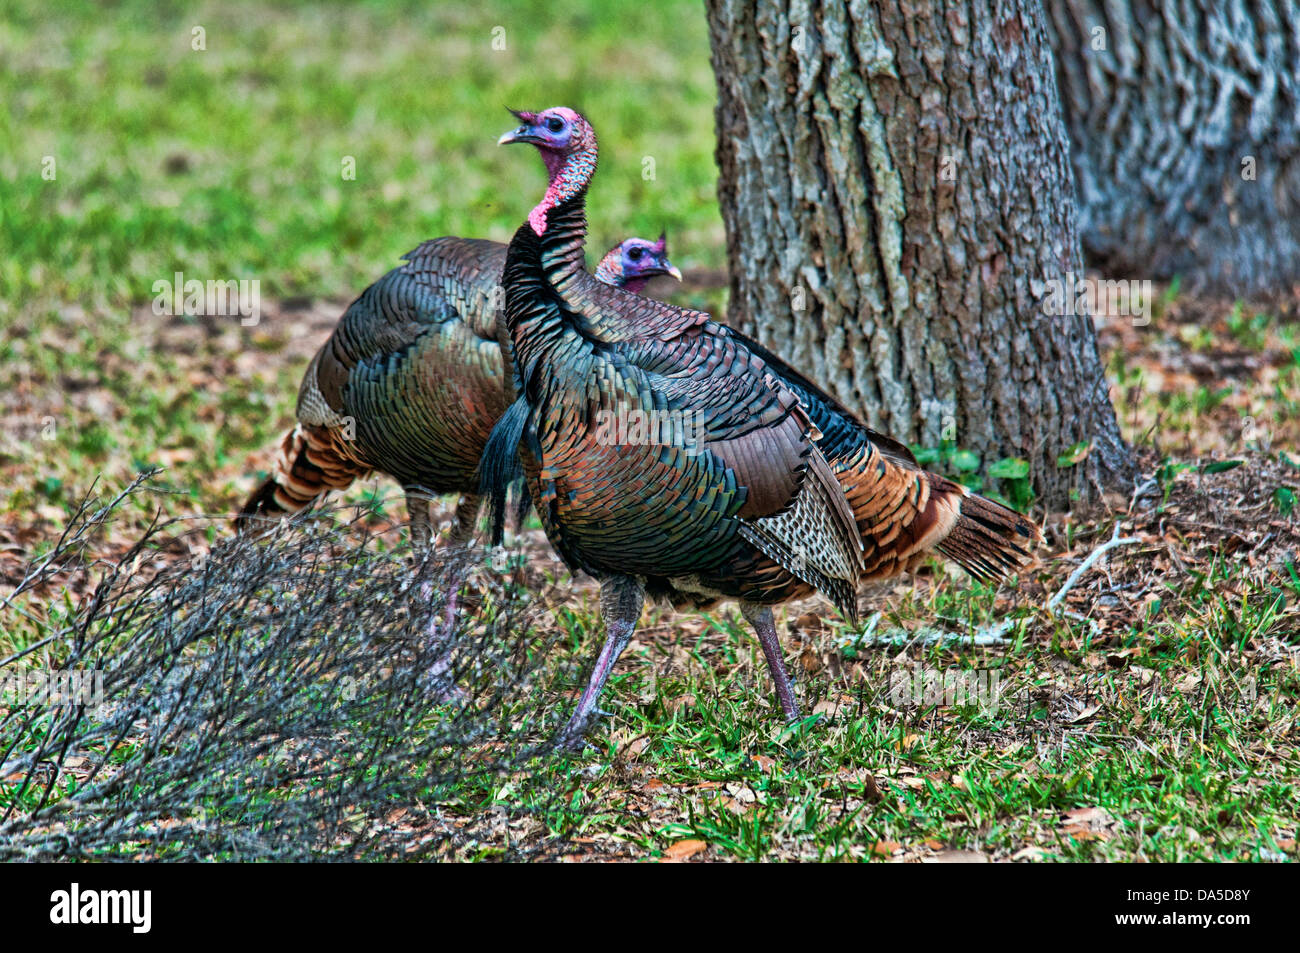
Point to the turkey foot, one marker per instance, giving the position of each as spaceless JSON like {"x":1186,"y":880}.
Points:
{"x":621,"y":599}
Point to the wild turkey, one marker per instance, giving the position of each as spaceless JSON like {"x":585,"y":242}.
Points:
{"x":631,"y":264}
{"x":412,"y":380}
{"x":750,"y":509}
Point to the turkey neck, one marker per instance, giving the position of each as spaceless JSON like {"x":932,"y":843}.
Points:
{"x":537,"y":269}
{"x":545,"y":260}
{"x":564,"y":243}
{"x":560,"y":218}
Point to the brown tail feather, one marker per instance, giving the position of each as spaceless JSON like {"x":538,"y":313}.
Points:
{"x":904,"y":513}
{"x":988,"y":539}
{"x":311,"y":461}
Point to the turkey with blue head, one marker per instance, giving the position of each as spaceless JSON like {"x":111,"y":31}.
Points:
{"x":669,"y":456}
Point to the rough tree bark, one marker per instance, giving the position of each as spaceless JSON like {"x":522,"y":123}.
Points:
{"x":1185,"y":120}
{"x":896,"y":190}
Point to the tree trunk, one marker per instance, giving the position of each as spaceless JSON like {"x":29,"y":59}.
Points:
{"x":896,"y":189}
{"x":1185,"y":120}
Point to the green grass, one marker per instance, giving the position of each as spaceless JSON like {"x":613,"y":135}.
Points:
{"x":1178,"y":747}
{"x":228,"y":162}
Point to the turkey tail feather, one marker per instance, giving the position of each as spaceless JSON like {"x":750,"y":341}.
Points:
{"x":904,"y":512}
{"x":988,"y":539}
{"x":499,"y":468}
{"x":308,"y":464}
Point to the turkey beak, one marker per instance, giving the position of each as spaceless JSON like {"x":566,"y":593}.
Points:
{"x":671,"y":269}
{"x":524,"y":133}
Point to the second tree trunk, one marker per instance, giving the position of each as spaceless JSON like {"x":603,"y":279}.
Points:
{"x":897,"y":194}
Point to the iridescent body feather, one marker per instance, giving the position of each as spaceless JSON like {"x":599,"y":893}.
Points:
{"x":412,"y":380}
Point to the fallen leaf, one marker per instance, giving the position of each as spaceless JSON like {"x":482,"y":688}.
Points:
{"x":809,"y":622}
{"x":1087,"y":823}
{"x":957,"y":857}
{"x":1030,"y":854}
{"x":884,"y":848}
{"x":684,"y":849}
{"x":1085,"y":714}
{"x":741,"y":793}
{"x":1089,"y":815}
{"x":1084,"y":834}
{"x":637,"y":746}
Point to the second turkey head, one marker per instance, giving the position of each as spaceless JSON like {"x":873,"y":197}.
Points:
{"x":634,"y":261}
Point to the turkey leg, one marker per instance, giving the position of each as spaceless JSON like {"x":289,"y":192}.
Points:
{"x":760,"y":617}
{"x":466,"y":516}
{"x":621,"y":599}
{"x":441,"y":635}
{"x":417,"y":511}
